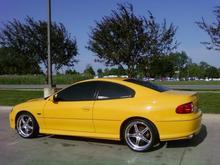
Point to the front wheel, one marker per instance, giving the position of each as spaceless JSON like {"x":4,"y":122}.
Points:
{"x":139,"y":135}
{"x":27,"y":126}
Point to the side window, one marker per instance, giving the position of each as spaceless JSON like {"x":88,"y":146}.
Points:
{"x":78,"y":92}
{"x":108,"y":90}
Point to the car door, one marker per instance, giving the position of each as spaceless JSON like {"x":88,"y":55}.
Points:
{"x":73,"y":109}
{"x":113,"y":102}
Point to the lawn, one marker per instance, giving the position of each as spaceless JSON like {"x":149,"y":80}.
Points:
{"x":40,"y":79}
{"x":13,"y":97}
{"x":208,"y":102}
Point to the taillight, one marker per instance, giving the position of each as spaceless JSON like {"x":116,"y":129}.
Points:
{"x":185,"y":108}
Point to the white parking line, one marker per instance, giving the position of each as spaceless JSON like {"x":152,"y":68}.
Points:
{"x":13,"y":143}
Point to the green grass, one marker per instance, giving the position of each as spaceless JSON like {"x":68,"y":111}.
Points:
{"x":13,"y":97}
{"x":208,"y":102}
{"x":22,"y":79}
{"x":40,"y":79}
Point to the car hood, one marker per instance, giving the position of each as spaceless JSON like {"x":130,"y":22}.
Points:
{"x":31,"y":103}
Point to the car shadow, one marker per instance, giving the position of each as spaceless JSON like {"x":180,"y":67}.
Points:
{"x":71,"y":138}
{"x":198,"y":139}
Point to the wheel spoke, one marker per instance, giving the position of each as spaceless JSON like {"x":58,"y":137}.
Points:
{"x":136,"y":128}
{"x":28,"y":120}
{"x":145,"y":139}
{"x":131,"y":135}
{"x":137,"y":141}
{"x":22,"y":120}
{"x":144,"y":130}
{"x":29,"y":127}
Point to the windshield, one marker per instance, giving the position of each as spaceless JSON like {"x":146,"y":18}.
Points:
{"x":148,"y":84}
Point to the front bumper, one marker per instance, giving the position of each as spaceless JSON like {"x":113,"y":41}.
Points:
{"x":12,"y":119}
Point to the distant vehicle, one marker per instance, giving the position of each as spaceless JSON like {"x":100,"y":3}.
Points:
{"x":115,"y":76}
{"x":137,"y":112}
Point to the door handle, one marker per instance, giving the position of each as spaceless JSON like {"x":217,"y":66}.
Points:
{"x":86,"y":108}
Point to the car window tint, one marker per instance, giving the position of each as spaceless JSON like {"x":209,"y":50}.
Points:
{"x":108,"y":90}
{"x":148,"y":84}
{"x":78,"y":92}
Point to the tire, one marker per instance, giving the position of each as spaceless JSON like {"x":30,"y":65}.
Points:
{"x":27,"y":126}
{"x":139,"y":135}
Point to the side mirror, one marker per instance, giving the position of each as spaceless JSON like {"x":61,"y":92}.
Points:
{"x":55,"y":98}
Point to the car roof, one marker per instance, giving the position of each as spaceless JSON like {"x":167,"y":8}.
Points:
{"x":109,"y":79}
{"x":121,"y":81}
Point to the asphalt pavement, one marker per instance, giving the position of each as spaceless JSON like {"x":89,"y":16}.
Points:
{"x":55,"y":150}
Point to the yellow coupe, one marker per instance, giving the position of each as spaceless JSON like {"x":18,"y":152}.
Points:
{"x":135,"y":111}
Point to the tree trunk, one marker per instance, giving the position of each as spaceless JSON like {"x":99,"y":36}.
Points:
{"x":46,"y":76}
{"x":131,"y":72}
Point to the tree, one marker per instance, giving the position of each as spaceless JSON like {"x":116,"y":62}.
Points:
{"x":166,"y":66}
{"x":119,"y":71}
{"x":162,"y":67}
{"x":180,"y":62}
{"x":179,"y":59}
{"x":213,"y":30}
{"x":29,"y":41}
{"x":212,"y":72}
{"x":126,"y":40}
{"x":71,"y":72}
{"x":100,"y":72}
{"x":194,"y":70}
{"x":203,"y":70}
{"x":89,"y":70}
{"x":13,"y":63}
{"x":208,"y":70}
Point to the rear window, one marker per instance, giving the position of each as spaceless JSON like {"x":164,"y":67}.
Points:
{"x":148,"y":84}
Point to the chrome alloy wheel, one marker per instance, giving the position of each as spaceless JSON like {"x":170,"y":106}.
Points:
{"x":138,"y":135}
{"x":25,"y":125}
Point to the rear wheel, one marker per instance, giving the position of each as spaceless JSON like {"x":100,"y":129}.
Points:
{"x":139,"y":135}
{"x":27,"y":126}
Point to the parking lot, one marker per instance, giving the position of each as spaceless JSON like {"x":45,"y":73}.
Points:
{"x":48,"y":149}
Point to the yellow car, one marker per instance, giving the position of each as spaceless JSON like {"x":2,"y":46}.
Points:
{"x":135,"y":111}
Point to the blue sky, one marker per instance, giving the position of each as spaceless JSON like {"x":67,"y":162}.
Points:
{"x":79,"y":15}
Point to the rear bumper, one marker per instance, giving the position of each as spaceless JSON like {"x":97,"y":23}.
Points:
{"x":180,"y":129}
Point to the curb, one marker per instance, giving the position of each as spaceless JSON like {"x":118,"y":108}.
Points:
{"x":5,"y":108}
